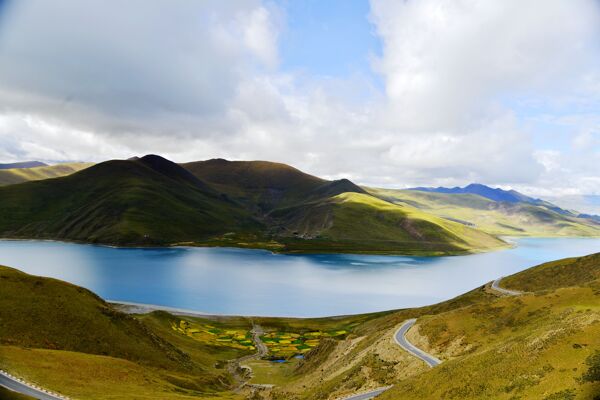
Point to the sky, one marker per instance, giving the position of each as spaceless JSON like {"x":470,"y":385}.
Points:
{"x":384,"y":92}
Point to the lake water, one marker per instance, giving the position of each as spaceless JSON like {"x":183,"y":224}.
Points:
{"x":255,"y":282}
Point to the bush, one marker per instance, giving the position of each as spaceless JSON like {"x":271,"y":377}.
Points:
{"x":593,"y":372}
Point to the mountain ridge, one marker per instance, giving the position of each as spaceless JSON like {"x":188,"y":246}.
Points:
{"x":153,"y":201}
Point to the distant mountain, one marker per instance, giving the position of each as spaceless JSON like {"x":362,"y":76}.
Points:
{"x":153,"y":201}
{"x":510,"y":196}
{"x":20,"y":175}
{"x":496,"y":211}
{"x":24,"y":164}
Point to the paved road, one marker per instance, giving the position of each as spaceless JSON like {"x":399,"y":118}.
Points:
{"x":13,"y":384}
{"x":400,"y":338}
{"x":496,"y":287}
{"x":368,"y":395}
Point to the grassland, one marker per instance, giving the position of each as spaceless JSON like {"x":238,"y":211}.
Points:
{"x":497,"y":218}
{"x":540,"y":345}
{"x":20,"y":175}
{"x":339,"y":223}
{"x":69,"y":340}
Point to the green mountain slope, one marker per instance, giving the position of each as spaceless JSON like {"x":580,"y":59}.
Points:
{"x":264,"y":186}
{"x":19,"y":175}
{"x":68,"y":339}
{"x":145,"y":201}
{"x":543,"y":344}
{"x":498,"y":218}
{"x":306,"y":213}
{"x":152,"y":201}
{"x":340,"y":222}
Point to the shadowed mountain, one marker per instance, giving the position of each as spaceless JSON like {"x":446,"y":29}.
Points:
{"x":146,"y":201}
{"x":24,"y":164}
{"x":264,"y":185}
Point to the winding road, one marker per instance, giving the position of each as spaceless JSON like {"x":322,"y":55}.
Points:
{"x":400,"y":338}
{"x":496,"y":287}
{"x":368,"y":395}
{"x":16,"y":385}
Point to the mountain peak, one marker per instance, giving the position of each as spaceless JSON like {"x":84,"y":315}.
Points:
{"x":495,"y":194}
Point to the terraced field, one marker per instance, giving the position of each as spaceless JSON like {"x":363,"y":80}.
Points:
{"x":288,"y":344}
{"x":210,"y":334}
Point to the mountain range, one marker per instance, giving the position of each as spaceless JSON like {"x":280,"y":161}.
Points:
{"x":260,"y":204}
{"x":153,"y":201}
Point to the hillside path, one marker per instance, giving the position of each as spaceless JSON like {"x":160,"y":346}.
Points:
{"x":496,"y":286}
{"x":400,"y":338}
{"x":17,"y":385}
{"x":368,"y":395}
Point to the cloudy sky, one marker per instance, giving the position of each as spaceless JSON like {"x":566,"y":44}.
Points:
{"x":384,"y":92}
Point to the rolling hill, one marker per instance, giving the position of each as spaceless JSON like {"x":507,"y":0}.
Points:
{"x":146,"y":201}
{"x":153,"y":201}
{"x":70,"y":340}
{"x":264,"y":186}
{"x":515,"y":215}
{"x":307,"y":213}
{"x":25,"y":174}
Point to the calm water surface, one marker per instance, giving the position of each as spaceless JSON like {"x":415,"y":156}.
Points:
{"x":255,"y":282}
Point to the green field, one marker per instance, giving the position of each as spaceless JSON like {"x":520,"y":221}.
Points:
{"x":288,"y":344}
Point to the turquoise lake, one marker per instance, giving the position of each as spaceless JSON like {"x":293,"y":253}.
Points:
{"x":255,"y":282}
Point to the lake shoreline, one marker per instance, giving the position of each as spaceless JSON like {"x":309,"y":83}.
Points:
{"x":230,"y":282}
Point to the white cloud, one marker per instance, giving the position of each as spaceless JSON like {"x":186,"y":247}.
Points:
{"x":465,"y":85}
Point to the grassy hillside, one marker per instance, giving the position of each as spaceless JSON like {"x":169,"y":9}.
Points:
{"x":304,"y":213}
{"x":146,"y":201}
{"x":19,"y":175}
{"x":70,"y":340}
{"x":257,"y":204}
{"x":341,"y":222}
{"x":497,"y":218}
{"x":265,"y":186}
{"x":541,"y":345}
